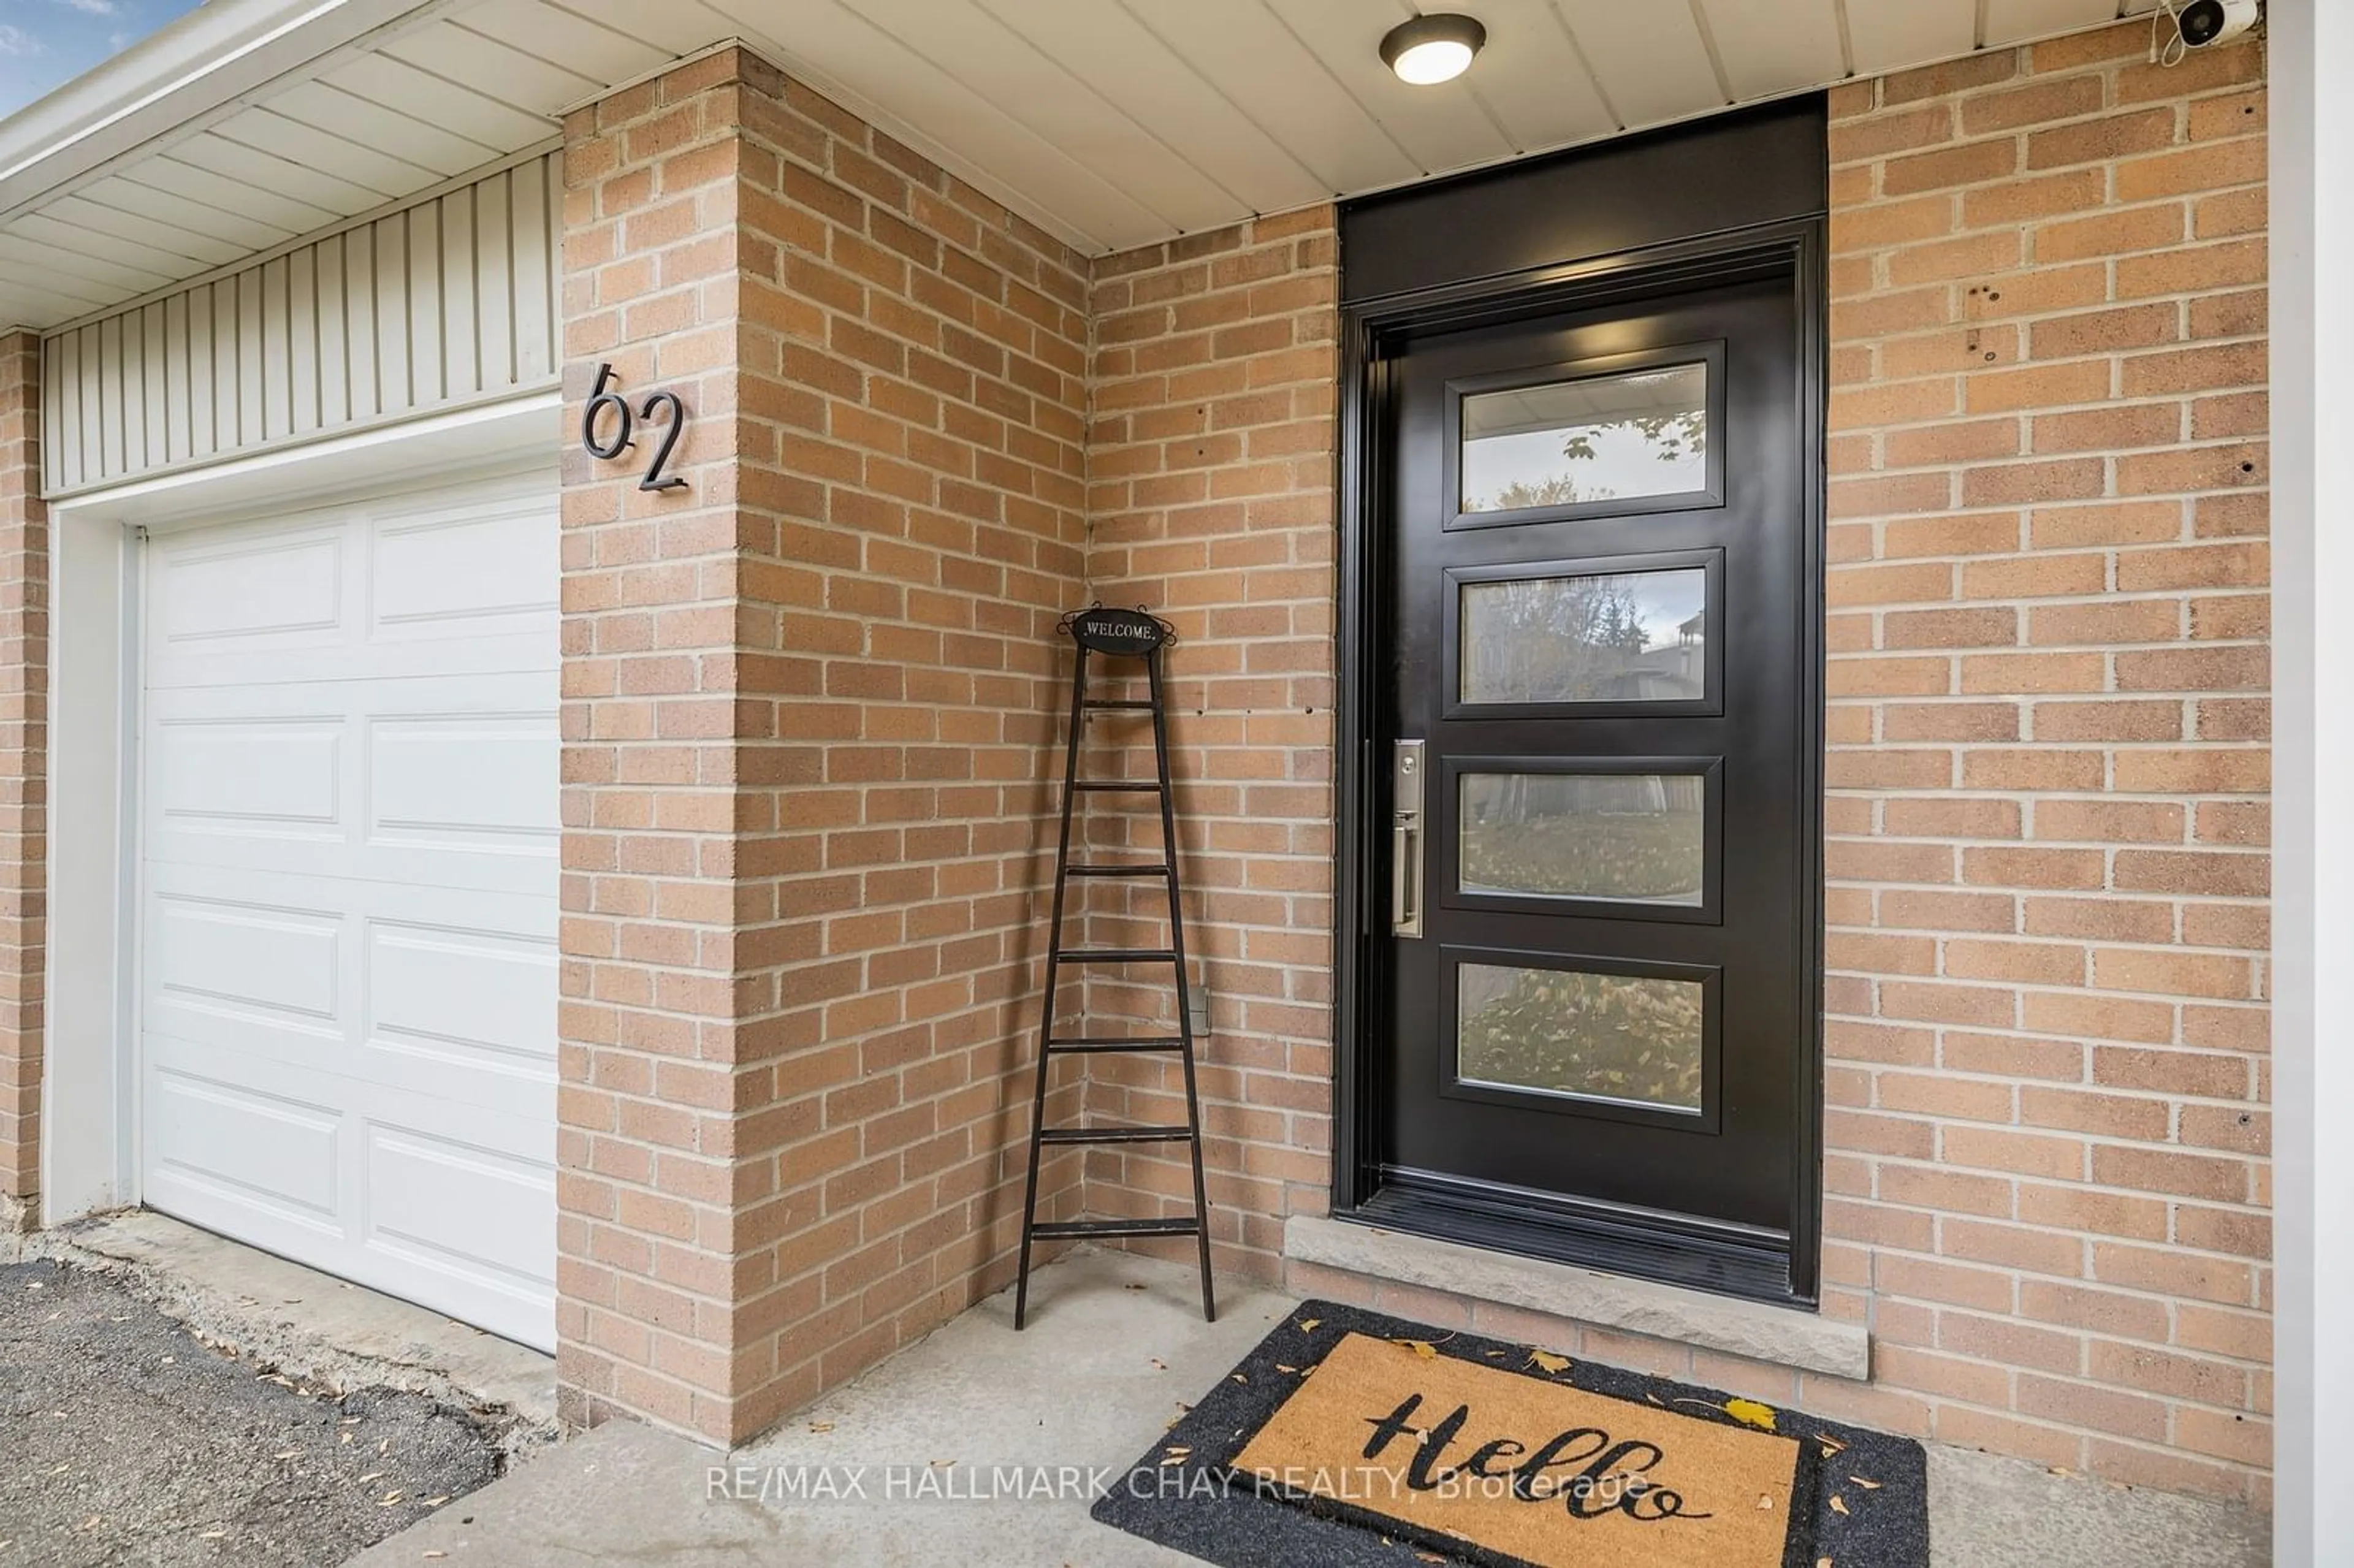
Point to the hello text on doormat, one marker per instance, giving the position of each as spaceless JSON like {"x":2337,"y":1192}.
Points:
{"x":1523,"y":1467}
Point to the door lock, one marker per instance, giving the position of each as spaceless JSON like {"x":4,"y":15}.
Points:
{"x":1405,"y":838}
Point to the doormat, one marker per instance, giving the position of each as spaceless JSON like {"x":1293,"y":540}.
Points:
{"x":1350,"y":1439}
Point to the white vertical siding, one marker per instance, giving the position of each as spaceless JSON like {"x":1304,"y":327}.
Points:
{"x":445,"y":299}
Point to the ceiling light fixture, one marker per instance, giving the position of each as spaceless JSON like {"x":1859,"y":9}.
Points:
{"x":1432,"y":49}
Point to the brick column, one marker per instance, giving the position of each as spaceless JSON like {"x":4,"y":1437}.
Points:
{"x":24,"y":769}
{"x":649,"y":1023}
{"x":809,"y":705}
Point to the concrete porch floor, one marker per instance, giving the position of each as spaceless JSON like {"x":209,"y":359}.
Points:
{"x":1115,"y":1343}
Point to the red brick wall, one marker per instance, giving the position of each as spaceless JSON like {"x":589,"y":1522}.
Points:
{"x":24,"y":769}
{"x":808,"y":721}
{"x":1210,"y":464}
{"x":2047,"y":771}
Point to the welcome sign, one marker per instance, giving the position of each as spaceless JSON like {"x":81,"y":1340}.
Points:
{"x":1523,"y":1467}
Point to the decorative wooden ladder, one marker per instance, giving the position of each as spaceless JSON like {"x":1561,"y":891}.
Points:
{"x":1115,"y":634}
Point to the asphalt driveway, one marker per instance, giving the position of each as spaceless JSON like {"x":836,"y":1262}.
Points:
{"x":124,"y":1441}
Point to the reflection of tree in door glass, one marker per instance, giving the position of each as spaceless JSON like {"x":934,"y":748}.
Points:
{"x":1602,"y":438}
{"x":1623,"y":637}
{"x":1620,"y":1037}
{"x":1584,"y":835}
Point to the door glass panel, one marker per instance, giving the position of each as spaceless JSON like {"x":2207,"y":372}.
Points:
{"x":1632,"y":836}
{"x":1569,"y":1032}
{"x":1607,"y":637}
{"x":1600,"y":438}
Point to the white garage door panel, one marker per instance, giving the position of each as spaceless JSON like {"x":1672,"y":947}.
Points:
{"x":474,"y":1215}
{"x":493,"y":565}
{"x":425,"y":780}
{"x":394,"y":990}
{"x":246,"y":957}
{"x":249,"y":776}
{"x":458,"y":778}
{"x":349,"y":862}
{"x":284,"y":587}
{"x":465,"y":997}
{"x":242,"y":1149}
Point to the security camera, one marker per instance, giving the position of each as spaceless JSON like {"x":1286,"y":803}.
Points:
{"x":2205,"y":22}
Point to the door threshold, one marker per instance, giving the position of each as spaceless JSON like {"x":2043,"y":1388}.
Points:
{"x":1721,"y":1258}
{"x":1754,"y":1330}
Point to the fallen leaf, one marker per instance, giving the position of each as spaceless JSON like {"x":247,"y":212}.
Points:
{"x":1546,"y":1362}
{"x":1822,"y":1562}
{"x":1749,"y":1413}
{"x":1838,"y":1504}
{"x":1239,"y":1377}
{"x":820,"y":1425}
{"x":437,"y":1503}
{"x":1764,"y":1501}
{"x":389,"y":1499}
{"x":1158,"y":1364}
{"x":1831,"y":1443}
{"x":1309,"y":1325}
{"x":1867,"y":1485}
{"x":435,"y":1551}
{"x":215,"y":1534}
{"x":1281,"y":1368}
{"x":288,"y":1454}
{"x":1422,"y":1348}
{"x":371,"y":1476}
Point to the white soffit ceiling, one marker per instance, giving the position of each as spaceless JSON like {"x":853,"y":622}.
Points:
{"x":1110,"y":123}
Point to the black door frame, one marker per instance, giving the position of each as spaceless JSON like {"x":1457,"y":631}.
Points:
{"x":1793,"y":247}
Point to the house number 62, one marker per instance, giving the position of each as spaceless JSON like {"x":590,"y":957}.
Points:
{"x":603,"y":400}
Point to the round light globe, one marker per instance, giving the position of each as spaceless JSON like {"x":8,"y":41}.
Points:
{"x":1427,"y":63}
{"x":1432,"y":48}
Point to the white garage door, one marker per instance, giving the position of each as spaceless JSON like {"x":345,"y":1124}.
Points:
{"x":348,"y":900}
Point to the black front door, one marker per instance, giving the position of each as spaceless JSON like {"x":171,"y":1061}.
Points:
{"x":1593,"y":716}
